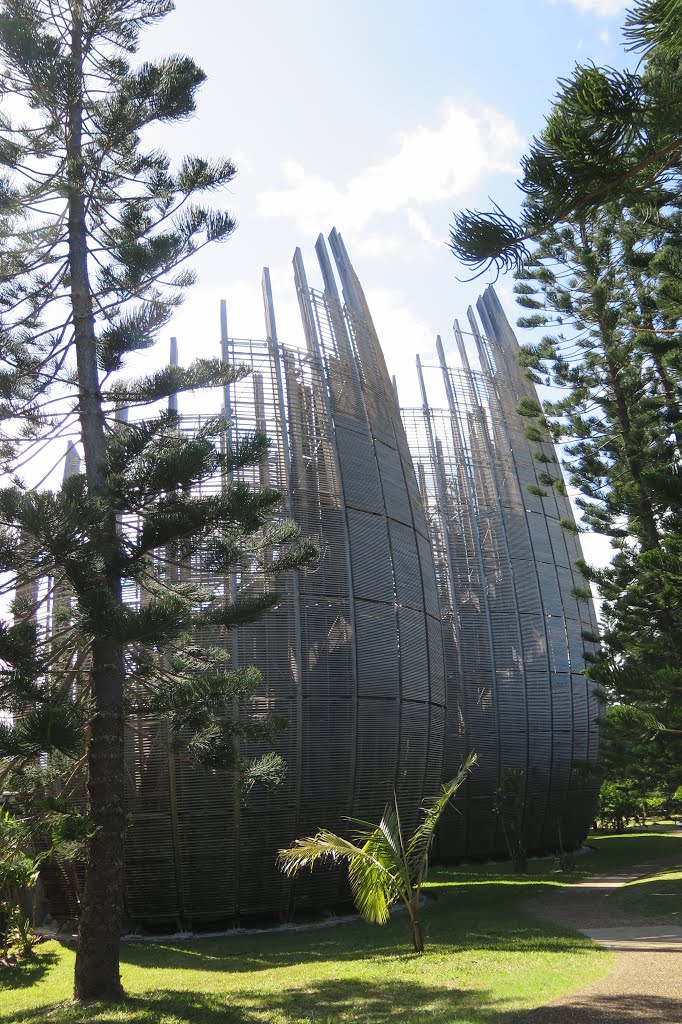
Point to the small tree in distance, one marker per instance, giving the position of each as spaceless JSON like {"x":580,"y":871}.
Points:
{"x":384,"y":867}
{"x":509,"y":806}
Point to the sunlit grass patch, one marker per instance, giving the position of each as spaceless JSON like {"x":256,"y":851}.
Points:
{"x":657,"y":896}
{"x":487,"y":955}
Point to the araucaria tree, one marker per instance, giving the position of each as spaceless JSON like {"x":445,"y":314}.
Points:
{"x":597,"y":244}
{"x":608,"y":289}
{"x":94,"y":237}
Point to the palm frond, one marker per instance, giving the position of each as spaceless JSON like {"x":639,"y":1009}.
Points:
{"x":386,"y":846}
{"x":390,"y":838}
{"x":422,"y":837}
{"x":373,"y":887}
{"x":371,"y":880}
{"x":325,"y":845}
{"x":385,"y":843}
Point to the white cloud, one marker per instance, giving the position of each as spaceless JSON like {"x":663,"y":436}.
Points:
{"x":429,"y":165}
{"x":243,"y":161}
{"x":423,"y":229}
{"x":377,"y":246}
{"x":602,"y":8}
{"x":402,"y":335}
{"x":415,"y":239}
{"x":604,"y":37}
{"x":597,"y":550}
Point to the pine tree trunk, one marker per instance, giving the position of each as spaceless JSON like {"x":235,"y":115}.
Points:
{"x":97,"y":958}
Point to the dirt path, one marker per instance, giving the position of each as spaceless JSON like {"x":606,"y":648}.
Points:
{"x":646,"y":984}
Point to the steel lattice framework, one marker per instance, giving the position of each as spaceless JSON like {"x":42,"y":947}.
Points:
{"x":441,"y":619}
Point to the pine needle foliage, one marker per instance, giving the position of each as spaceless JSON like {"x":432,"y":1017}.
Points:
{"x":610,"y":136}
{"x":98,"y":229}
{"x":608,"y":286}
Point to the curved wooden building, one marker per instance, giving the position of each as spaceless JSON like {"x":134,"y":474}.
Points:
{"x":441,"y":619}
{"x":353,"y":656}
{"x":513,"y":622}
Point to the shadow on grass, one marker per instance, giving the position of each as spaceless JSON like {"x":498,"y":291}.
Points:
{"x":458,"y":918}
{"x":29,"y":971}
{"x":389,"y":1002}
{"x":393,"y":1001}
{"x":219,"y":957}
{"x":616,"y":1009}
{"x":376,"y":1002}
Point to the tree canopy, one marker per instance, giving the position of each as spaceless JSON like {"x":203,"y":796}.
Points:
{"x":603,"y":287}
{"x":611,"y":135}
{"x":596,"y":250}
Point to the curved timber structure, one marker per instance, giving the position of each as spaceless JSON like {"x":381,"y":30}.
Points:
{"x":441,"y":618}
{"x":513,"y":622}
{"x":352,"y":657}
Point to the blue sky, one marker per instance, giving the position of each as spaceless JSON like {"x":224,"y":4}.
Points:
{"x":380,"y":118}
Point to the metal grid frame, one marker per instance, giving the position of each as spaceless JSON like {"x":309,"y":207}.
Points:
{"x":352,"y":657}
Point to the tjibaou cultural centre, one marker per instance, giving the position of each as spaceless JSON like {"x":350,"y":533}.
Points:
{"x":444,"y":617}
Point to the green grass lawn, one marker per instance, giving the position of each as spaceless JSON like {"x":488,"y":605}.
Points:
{"x":487,"y":957}
{"x":657,"y":896}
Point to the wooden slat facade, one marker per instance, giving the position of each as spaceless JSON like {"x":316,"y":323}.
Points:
{"x":440,"y":620}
